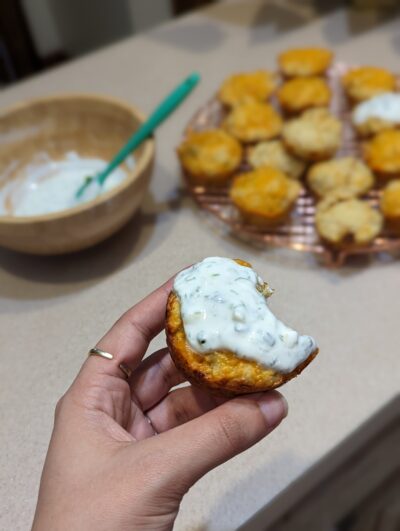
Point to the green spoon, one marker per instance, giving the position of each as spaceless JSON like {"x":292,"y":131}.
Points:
{"x":165,"y":108}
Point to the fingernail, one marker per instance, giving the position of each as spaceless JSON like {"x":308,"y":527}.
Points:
{"x":274,"y":408}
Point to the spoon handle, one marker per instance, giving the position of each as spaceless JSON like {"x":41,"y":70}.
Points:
{"x":175,"y":98}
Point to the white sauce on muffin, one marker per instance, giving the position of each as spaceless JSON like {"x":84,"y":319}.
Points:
{"x":222,"y":308}
{"x":384,"y":106}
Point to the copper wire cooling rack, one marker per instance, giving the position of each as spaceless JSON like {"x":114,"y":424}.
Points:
{"x":298,"y":233}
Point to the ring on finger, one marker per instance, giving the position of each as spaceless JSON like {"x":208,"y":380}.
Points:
{"x":106,"y":355}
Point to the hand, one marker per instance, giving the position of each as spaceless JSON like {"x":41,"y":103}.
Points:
{"x":123,"y":454}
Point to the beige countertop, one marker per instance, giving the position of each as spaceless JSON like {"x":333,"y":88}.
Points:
{"x":53,"y":309}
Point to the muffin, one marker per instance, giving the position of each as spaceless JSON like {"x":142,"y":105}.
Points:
{"x":382,"y":153}
{"x":390,"y":205}
{"x":347,"y":173}
{"x":300,"y":93}
{"x":341,"y":219}
{"x":303,"y":62}
{"x":367,"y":81}
{"x":248,"y":86}
{"x":210,"y":157}
{"x":273,"y":153}
{"x":377,"y":114}
{"x":315,"y":135}
{"x":264,"y":197}
{"x":223,"y":337}
{"x":253,"y":121}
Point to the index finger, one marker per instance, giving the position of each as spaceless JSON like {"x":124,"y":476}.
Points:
{"x":130,"y":336}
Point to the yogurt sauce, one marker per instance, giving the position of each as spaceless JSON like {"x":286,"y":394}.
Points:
{"x":384,"y":106}
{"x":222,"y":308}
{"x":50,"y":185}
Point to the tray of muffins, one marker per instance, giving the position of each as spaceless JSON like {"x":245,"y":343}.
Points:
{"x":307,"y":157}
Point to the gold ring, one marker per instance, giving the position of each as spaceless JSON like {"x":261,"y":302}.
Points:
{"x":102,"y":353}
{"x":126,"y":370}
{"x":106,"y":355}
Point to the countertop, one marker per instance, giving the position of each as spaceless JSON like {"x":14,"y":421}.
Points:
{"x":54,"y":309}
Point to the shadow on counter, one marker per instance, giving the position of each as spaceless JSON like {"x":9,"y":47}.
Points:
{"x":360,"y":15}
{"x":270,"y":18}
{"x":27,"y":277}
{"x":266,"y":19}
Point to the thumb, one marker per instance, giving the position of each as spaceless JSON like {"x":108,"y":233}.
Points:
{"x":194,"y":448}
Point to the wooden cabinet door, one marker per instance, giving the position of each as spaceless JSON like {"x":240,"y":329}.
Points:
{"x":17,"y":52}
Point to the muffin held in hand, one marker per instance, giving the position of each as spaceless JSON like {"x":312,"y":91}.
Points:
{"x":247,"y":86}
{"x":390,"y":205}
{"x":347,"y":173}
{"x":377,"y":114}
{"x":210,"y":157}
{"x":274,"y":153}
{"x":264,"y":197}
{"x":341,"y":219}
{"x":367,"y":81}
{"x":315,"y":135}
{"x":299,"y":94}
{"x":222,"y":335}
{"x":382,"y":153}
{"x":253,"y":121}
{"x":302,"y":62}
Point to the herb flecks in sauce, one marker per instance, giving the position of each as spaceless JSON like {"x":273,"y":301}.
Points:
{"x":224,"y":307}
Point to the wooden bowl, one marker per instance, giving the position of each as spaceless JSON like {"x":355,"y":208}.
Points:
{"x":92,"y":126}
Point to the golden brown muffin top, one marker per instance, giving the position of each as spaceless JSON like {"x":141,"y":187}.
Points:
{"x":304,"y":61}
{"x":266,"y":192}
{"x":390,"y":200}
{"x":382,"y":153}
{"x":247,"y":86}
{"x":367,"y":81}
{"x":253,"y":121}
{"x":301,"y":93}
{"x":314,"y":134}
{"x":347,"y":173}
{"x":210,"y":153}
{"x":273,"y":153}
{"x":338,"y":216}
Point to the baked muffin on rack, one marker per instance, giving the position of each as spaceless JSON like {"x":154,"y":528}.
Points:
{"x":382,"y":153}
{"x":222,"y":335}
{"x":210,"y":157}
{"x":314,"y":135}
{"x":302,"y":62}
{"x":253,"y":121}
{"x":341,"y":220}
{"x":247,"y":86}
{"x":346,"y":173}
{"x":366,"y":82}
{"x":273,"y":153}
{"x":377,"y":114}
{"x":302,"y":93}
{"x":390,"y":205}
{"x":264,"y":197}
